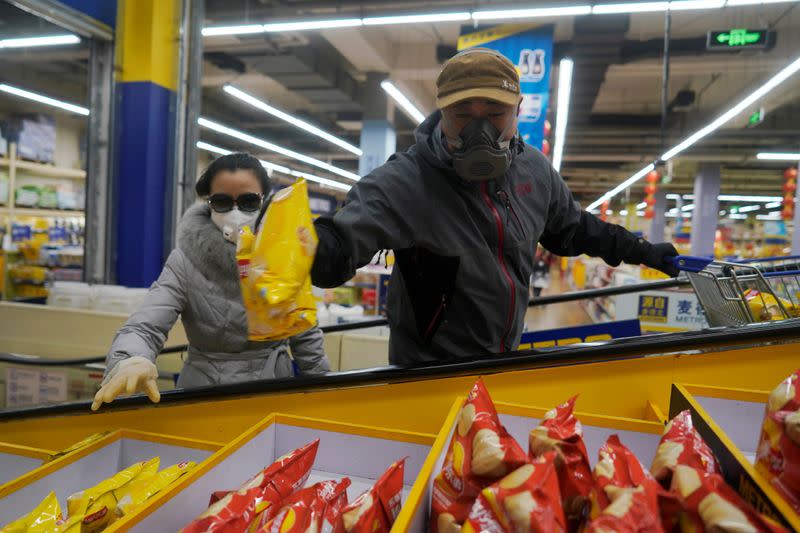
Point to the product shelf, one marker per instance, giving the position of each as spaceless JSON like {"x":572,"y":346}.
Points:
{"x":45,"y":170}
{"x":45,"y":213}
{"x":16,"y":460}
{"x":361,"y":453}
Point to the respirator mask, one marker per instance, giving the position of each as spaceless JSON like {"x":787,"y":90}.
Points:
{"x":230,"y":222}
{"x":479,"y":153}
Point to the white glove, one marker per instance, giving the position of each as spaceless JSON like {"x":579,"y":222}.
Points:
{"x":134,"y":374}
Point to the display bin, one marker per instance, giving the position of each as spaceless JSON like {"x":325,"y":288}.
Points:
{"x":361,"y":453}
{"x":640,"y":436}
{"x":91,"y":464}
{"x":729,"y":420}
{"x":16,"y":460}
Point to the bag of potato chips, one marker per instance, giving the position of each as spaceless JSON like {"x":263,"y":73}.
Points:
{"x":481,"y":452}
{"x":308,"y":510}
{"x":681,"y":444}
{"x":144,"y":489}
{"x":275,"y":268}
{"x":562,"y":433}
{"x":629,"y":512}
{"x":42,"y":519}
{"x":765,"y":306}
{"x":376,"y":509}
{"x":527,"y":499}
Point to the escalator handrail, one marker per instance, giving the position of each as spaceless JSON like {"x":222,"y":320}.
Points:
{"x":348,"y":326}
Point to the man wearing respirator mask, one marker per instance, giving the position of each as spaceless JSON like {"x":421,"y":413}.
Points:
{"x":463,"y":210}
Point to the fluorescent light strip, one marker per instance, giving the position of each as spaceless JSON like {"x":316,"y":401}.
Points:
{"x":412,"y":19}
{"x":773,"y":205}
{"x":773,"y":82}
{"x":562,"y":112}
{"x":769,"y":217}
{"x":737,"y":216}
{"x":689,"y":207}
{"x":778,"y":156}
{"x":755,"y":2}
{"x":404,"y":102}
{"x":278,"y":168}
{"x":622,"y":186}
{"x":673,"y":197}
{"x":275,"y":148}
{"x":749,"y":208}
{"x":686,"y":5}
{"x":22,"y":93}
{"x":743,"y":198}
{"x":532,"y":13}
{"x":303,"y":125}
{"x":641,"y":205}
{"x":49,"y":40}
{"x":312,"y":25}
{"x":630,"y":7}
{"x":233,"y":30}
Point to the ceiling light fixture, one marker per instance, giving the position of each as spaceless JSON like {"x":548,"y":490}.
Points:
{"x":312,"y":25}
{"x":773,"y":205}
{"x":737,"y":216}
{"x":622,"y":186}
{"x":755,"y":2}
{"x":278,"y":168}
{"x":630,"y":7}
{"x":22,"y":93}
{"x":409,"y":108}
{"x":536,"y":12}
{"x":778,"y":156}
{"x":641,"y":205}
{"x":48,"y":40}
{"x":749,"y":208}
{"x":562,"y":111}
{"x":744,"y":198}
{"x":686,"y":5}
{"x":303,"y":125}
{"x":413,"y":19}
{"x":219,"y":128}
{"x":775,"y":216}
{"x":242,"y":29}
{"x":689,"y":207}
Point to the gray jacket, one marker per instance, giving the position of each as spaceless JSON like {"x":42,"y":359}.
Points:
{"x":200,"y":282}
{"x":464,"y":250}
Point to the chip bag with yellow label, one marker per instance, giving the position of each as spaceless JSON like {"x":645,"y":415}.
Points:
{"x":143,"y":489}
{"x":275,"y":268}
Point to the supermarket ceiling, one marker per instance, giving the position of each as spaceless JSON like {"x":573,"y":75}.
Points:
{"x":320,"y":76}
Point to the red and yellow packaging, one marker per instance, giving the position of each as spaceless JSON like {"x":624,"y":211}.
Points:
{"x":562,"y":433}
{"x":528,"y":499}
{"x":480,"y":453}
{"x":711,"y":505}
{"x":42,"y":519}
{"x":681,"y":444}
{"x":376,"y":509}
{"x":788,"y":480}
{"x":629,"y":512}
{"x":310,"y":510}
{"x":256,"y":501}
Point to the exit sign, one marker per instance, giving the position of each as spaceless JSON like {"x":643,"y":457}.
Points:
{"x":737,"y":39}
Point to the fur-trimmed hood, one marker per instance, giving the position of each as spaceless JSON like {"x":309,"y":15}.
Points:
{"x":204,"y":245}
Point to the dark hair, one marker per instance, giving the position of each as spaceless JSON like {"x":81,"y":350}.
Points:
{"x":232,"y":162}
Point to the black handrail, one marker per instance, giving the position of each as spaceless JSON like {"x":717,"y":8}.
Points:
{"x":335,"y":328}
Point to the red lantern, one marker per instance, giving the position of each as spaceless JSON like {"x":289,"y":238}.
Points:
{"x":546,"y":147}
{"x":649,"y":214}
{"x":789,"y":186}
{"x":650,"y":201}
{"x":790,"y":173}
{"x":547,"y":128}
{"x":653,"y":176}
{"x":650,"y":189}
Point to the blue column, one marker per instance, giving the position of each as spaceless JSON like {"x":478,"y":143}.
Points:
{"x":378,"y":137}
{"x":705,"y":215}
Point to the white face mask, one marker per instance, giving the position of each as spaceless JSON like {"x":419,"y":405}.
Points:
{"x":229,"y":223}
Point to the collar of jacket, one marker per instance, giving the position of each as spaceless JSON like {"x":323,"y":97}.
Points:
{"x":205,"y":247}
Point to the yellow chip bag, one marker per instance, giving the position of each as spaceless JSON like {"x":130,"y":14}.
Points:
{"x":765,"y":307}
{"x":144,"y":489}
{"x":97,"y":505}
{"x":42,"y":519}
{"x":275,"y":268}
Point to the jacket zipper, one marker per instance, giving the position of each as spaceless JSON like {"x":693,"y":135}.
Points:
{"x":500,"y":239}
{"x":429,"y":331}
{"x":503,"y":195}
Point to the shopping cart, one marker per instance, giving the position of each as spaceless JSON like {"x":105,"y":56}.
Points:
{"x":727,"y":290}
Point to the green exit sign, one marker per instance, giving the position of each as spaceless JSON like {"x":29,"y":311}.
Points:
{"x":737,"y":39}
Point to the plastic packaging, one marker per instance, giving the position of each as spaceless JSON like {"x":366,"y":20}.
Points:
{"x":309,"y":510}
{"x":144,"y":489}
{"x":629,"y":512}
{"x":42,"y":519}
{"x":376,"y":509}
{"x":681,"y":445}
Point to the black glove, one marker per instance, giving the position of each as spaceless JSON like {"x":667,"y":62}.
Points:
{"x":659,"y":256}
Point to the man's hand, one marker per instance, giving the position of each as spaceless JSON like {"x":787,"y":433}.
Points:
{"x":135,"y":374}
{"x":659,"y":256}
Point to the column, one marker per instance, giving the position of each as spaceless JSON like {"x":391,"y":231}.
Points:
{"x":378,"y":137}
{"x":706,"y":209}
{"x":796,"y":231}
{"x":659,"y":221}
{"x":147,"y":64}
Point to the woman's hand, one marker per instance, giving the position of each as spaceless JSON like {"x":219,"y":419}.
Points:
{"x":135,"y":374}
{"x":308,"y":241}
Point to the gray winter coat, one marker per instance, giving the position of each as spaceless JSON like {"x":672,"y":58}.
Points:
{"x":464,"y":250}
{"x":200,"y":282}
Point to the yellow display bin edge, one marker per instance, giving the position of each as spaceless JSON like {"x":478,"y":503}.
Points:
{"x":682,"y":393}
{"x":129,"y":521}
{"x":742,"y":395}
{"x":26,"y":451}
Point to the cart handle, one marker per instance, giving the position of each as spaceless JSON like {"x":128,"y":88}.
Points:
{"x":688,"y":263}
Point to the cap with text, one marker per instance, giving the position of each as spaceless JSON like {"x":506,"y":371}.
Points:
{"x":477,"y":73}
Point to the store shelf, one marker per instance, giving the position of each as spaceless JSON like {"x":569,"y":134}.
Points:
{"x":31,"y":212}
{"x":45,"y":170}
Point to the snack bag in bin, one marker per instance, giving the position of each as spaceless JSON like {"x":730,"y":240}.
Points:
{"x":770,"y":458}
{"x":481,"y":452}
{"x":788,"y":481}
{"x":681,"y":444}
{"x":258,"y":499}
{"x":629,"y":512}
{"x":42,"y":519}
{"x":562,"y":433}
{"x":310,"y":510}
{"x":144,"y":489}
{"x":711,"y":505}
{"x":527,"y":499}
{"x":275,"y":268}
{"x":376,"y":509}
{"x":764,"y":306}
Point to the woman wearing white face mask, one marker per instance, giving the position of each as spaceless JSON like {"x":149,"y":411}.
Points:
{"x":200,"y":283}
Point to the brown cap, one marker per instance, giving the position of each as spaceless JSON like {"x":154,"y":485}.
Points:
{"x":477,"y":73}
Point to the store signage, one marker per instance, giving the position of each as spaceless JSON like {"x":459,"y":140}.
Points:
{"x":737,"y":39}
{"x":755,"y":118}
{"x":591,"y":333}
{"x":530,"y":48}
{"x":662,"y":310}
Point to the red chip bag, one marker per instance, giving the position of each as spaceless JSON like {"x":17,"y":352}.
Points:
{"x":629,"y":512}
{"x":562,"y":433}
{"x":376,"y":510}
{"x":788,"y":481}
{"x":711,"y":505}
{"x":526,"y":500}
{"x":480,"y":453}
{"x":258,"y":498}
{"x":306,"y":510}
{"x":681,"y":444}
